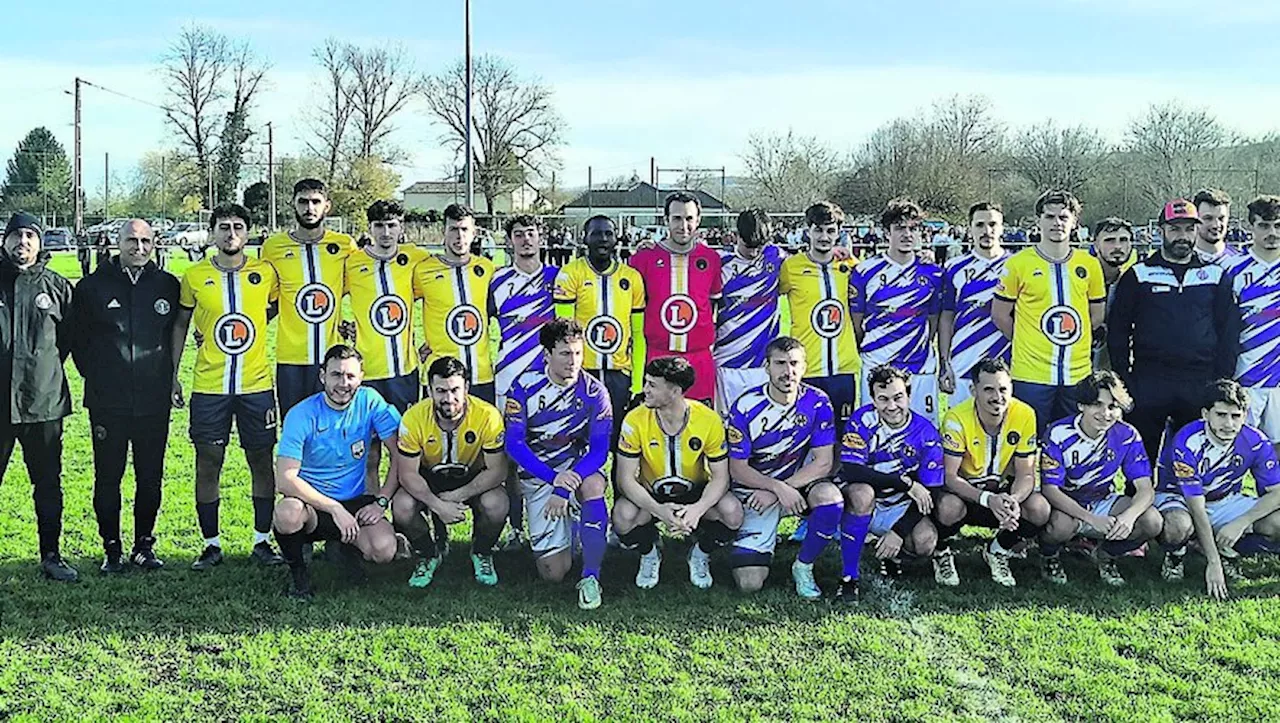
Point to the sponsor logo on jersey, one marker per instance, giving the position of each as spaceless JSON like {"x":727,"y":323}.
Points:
{"x":357,"y":449}
{"x":389,"y":315}
{"x":1062,"y":325}
{"x":735,"y":435}
{"x":315,"y":303}
{"x":604,"y":334}
{"x":679,"y":314}
{"x":827,"y":318}
{"x":234,"y":334}
{"x":852,"y":440}
{"x":464,"y":324}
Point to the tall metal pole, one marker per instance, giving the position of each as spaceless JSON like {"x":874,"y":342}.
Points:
{"x":76,"y":182}
{"x":164,"y":185}
{"x":471,"y":175}
{"x":106,"y":186}
{"x":271,"y":177}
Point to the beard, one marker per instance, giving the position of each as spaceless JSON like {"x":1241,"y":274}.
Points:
{"x":305,"y":225}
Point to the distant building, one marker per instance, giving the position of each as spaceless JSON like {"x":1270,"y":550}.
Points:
{"x":638,"y":206}
{"x":436,"y":195}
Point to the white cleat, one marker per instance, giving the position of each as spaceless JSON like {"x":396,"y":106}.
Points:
{"x":699,"y":568}
{"x":650,"y":563}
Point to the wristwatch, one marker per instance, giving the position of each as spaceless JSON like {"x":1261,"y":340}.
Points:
{"x":383,"y":502}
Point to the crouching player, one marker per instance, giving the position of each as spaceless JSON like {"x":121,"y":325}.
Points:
{"x":672,"y":468}
{"x":781,"y":451}
{"x":451,"y":459}
{"x":1078,"y":467}
{"x":989,"y":443}
{"x":1202,"y":487}
{"x":558,"y":425}
{"x":892,"y":464}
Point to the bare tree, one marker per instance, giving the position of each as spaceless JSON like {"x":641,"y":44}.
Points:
{"x":1051,"y":156}
{"x":966,"y":126}
{"x":788,"y":172}
{"x":245,"y":74}
{"x":194,"y":67}
{"x":1168,"y":142}
{"x":517,"y":130}
{"x":383,"y":81}
{"x":330,"y":120}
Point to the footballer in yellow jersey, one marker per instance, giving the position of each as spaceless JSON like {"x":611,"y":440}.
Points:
{"x":229,"y":309}
{"x":455,"y":317}
{"x":451,"y":457}
{"x":673,"y":467}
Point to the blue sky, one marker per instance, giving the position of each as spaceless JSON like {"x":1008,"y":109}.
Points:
{"x":686,"y":84}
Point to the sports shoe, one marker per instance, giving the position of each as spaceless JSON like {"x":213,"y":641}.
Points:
{"x":802,"y":575}
{"x":144,"y":554}
{"x":486,"y":574}
{"x":113,"y":561}
{"x":999,"y":564}
{"x":650,"y":564}
{"x":210,"y":558}
{"x":424,"y":572}
{"x":1171,"y":569}
{"x":944,"y":568}
{"x":588,"y":593}
{"x":299,"y":586}
{"x":1107,"y":568}
{"x":848,"y":592}
{"x":890,"y":569}
{"x":699,"y":568}
{"x":404,"y":551}
{"x":801,"y":530}
{"x":515,"y":541}
{"x":1051,"y":570}
{"x":265,"y":555}
{"x":54,"y":568}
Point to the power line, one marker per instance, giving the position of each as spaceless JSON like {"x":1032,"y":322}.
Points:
{"x":125,"y":95}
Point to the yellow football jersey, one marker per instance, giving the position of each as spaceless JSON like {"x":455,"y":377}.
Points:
{"x":382,"y":301}
{"x":1052,"y":333}
{"x":672,"y":464}
{"x":819,"y":299}
{"x":230,"y":312}
{"x":310,"y":294}
{"x":480,"y":431}
{"x":602,"y":304}
{"x":986,"y":459}
{"x":455,"y":316}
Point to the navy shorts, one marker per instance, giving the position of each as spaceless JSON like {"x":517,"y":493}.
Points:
{"x":295,"y":382}
{"x":327,"y":529}
{"x":255,"y":416}
{"x":400,"y":392}
{"x":1051,"y":402}
{"x":842,"y":389}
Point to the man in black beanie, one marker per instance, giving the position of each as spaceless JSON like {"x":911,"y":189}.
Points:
{"x":35,"y":304}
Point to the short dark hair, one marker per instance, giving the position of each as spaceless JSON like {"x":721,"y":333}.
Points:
{"x":673,"y":369}
{"x":1111,"y":223}
{"x":990,"y":365}
{"x":597,"y":217}
{"x":1211,"y":196}
{"x":680,"y":197}
{"x":457,"y":212}
{"x":229,"y":210}
{"x":310,"y":184}
{"x":523,"y":219}
{"x":445,"y":367}
{"x":823,"y":213}
{"x":1227,"y":391}
{"x":985,"y":206}
{"x":1264,"y":208}
{"x":1058,"y":197}
{"x":883,"y":375}
{"x":340,"y":352}
{"x":557,"y":330}
{"x":900,"y":209}
{"x":782,"y":345}
{"x":753,"y":223}
{"x":1089,"y":389}
{"x":384,"y":210}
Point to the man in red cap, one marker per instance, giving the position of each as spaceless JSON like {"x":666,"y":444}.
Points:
{"x":1173,"y":328}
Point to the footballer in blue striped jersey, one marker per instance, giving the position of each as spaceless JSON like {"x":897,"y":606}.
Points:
{"x":966,"y":333}
{"x":1255,"y":281}
{"x":520,"y":298}
{"x":747,"y":319}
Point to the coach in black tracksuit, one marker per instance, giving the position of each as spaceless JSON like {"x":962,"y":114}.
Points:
{"x":1173,"y":328}
{"x":123,"y":316}
{"x":34,"y":338}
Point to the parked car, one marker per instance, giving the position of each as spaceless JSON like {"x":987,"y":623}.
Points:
{"x":58,"y":239}
{"x":186,"y":234}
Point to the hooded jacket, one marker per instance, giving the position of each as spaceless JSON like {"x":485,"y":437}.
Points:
{"x":35,"y":304}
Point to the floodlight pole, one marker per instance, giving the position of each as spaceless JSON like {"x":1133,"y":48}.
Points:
{"x":471,"y":176}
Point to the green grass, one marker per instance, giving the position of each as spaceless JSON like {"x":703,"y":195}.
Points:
{"x":176,"y":645}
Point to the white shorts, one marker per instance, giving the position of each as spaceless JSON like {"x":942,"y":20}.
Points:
{"x":964,"y":390}
{"x":758,"y":535}
{"x":546,"y":537}
{"x":733,"y":383}
{"x":1103,"y":508}
{"x":1221,"y":512}
{"x":885,"y":516}
{"x":1166,"y":502}
{"x":1264,"y":411}
{"x":924,"y":394}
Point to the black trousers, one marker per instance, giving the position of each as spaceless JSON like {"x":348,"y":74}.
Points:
{"x":1159,"y":401}
{"x":112,"y":435}
{"x":42,"y":451}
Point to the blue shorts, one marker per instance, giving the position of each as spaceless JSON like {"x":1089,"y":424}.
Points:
{"x":884,"y":516}
{"x":295,"y":382}
{"x":400,"y":392}
{"x":1051,"y":402}
{"x":255,"y":416}
{"x":842,"y":390}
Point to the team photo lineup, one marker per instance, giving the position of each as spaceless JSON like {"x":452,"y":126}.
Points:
{"x":1064,"y":396}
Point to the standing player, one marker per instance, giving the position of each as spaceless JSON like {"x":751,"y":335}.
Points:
{"x":227,"y":296}
{"x":311,"y":263}
{"x":1255,"y":278}
{"x":1113,"y":247}
{"x":1079,"y":465}
{"x":454,"y":288}
{"x":1202,"y":475}
{"x":672,"y":468}
{"x":1213,"y":206}
{"x":894,"y":302}
{"x":748,"y":316}
{"x":966,"y":333}
{"x":817,"y":288}
{"x":1049,"y":300}
{"x":989,"y":443}
{"x":558,"y":425}
{"x":682,"y":279}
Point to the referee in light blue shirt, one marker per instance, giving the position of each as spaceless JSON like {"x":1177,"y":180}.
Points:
{"x":320,"y":469}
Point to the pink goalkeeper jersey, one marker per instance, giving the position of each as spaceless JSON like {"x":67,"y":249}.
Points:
{"x":680,"y":292}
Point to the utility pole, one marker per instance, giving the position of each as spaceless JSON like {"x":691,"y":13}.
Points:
{"x":271,"y":178}
{"x":164,"y":185}
{"x":76,"y":181}
{"x":590,"y":200}
{"x":106,"y":186}
{"x":471,"y":171}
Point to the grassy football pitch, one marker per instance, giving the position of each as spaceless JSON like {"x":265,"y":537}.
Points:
{"x":177,"y":645}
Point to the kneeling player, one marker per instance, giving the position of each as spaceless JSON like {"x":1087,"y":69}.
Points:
{"x":671,"y":468}
{"x":891,"y":461}
{"x":451,"y":458}
{"x":1202,"y":475}
{"x":1078,"y":467}
{"x":989,"y":445}
{"x":781,"y":439}
{"x":320,"y":470}
{"x":558,"y":425}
